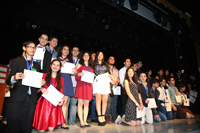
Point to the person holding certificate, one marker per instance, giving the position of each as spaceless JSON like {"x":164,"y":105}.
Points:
{"x":47,"y":116}
{"x":68,"y":86}
{"x":134,"y":100}
{"x":83,"y":89}
{"x":164,"y":98}
{"x":186,"y":113}
{"x":23,"y":99}
{"x":101,"y":90}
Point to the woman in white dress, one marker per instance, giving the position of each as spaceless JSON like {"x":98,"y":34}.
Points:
{"x":101,"y":90}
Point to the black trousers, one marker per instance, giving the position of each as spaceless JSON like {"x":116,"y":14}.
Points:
{"x":20,"y":115}
{"x":124,"y":98}
{"x":177,"y":114}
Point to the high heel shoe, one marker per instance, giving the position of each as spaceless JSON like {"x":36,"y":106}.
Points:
{"x":104,"y":121}
{"x":100,"y":123}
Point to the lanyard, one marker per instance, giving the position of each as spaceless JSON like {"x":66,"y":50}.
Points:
{"x":155,"y":94}
{"x":134,"y":84}
{"x":111,"y":69}
{"x":100,"y":67}
{"x":51,"y":51}
{"x":64,"y":58}
{"x":146,"y":89}
{"x":28,"y":66}
{"x":75,"y":62}
{"x":164,"y":90}
{"x":183,"y":95}
{"x":87,"y":68}
{"x":173,"y":88}
{"x":54,"y":81}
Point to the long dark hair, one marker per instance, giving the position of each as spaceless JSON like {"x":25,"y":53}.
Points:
{"x":96,"y":59}
{"x":69,"y":56}
{"x":58,"y":77}
{"x":134,"y":78}
{"x":90,"y":62}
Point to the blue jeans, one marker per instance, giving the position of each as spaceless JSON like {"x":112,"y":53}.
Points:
{"x":112,"y":102}
{"x":93,"y":108}
{"x":72,"y":110}
{"x":167,"y":114}
{"x":162,"y":117}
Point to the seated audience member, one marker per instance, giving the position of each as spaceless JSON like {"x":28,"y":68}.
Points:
{"x":178,"y":78}
{"x":145,"y":90}
{"x":164,"y":99}
{"x":186,"y":113}
{"x":148,"y":73}
{"x":173,"y":91}
{"x":157,"y":112}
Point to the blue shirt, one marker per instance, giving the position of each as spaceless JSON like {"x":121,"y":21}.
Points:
{"x":54,"y":53}
{"x":172,"y":92}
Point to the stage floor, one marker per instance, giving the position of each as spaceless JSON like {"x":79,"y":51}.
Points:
{"x":173,"y":126}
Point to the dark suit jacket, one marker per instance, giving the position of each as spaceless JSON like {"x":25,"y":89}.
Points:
{"x":144,"y":95}
{"x":19,"y":91}
{"x":46,"y":61}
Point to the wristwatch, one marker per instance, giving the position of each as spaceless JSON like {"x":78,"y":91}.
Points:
{"x":136,"y":104}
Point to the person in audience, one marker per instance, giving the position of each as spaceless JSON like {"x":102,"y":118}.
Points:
{"x":73,"y":101}
{"x":48,"y":116}
{"x":134,"y":66}
{"x":159,"y":74}
{"x":139,"y":65}
{"x":173,"y":92}
{"x":164,"y":98}
{"x":166,"y":74}
{"x":122,"y":71}
{"x":93,"y":102}
{"x":145,"y":93}
{"x":157,"y":112}
{"x":112,"y":99}
{"x":23,"y":99}
{"x":149,"y":73}
{"x":68,"y":87}
{"x":186,"y":113}
{"x":134,"y":100}
{"x":179,"y":79}
{"x":83,"y":89}
{"x":53,"y":42}
{"x":100,"y":90}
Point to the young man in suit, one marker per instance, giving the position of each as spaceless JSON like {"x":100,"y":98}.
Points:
{"x":45,"y":63}
{"x":21,"y":105}
{"x":145,"y":93}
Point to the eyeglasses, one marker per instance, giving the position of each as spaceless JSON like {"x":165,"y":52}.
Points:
{"x":31,"y":47}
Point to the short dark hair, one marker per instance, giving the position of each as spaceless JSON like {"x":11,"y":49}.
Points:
{"x":44,"y":34}
{"x":153,"y":81}
{"x":27,"y":43}
{"x":180,"y":86}
{"x":52,"y":37}
{"x":169,"y":78}
{"x":127,"y":59}
{"x":75,"y":46}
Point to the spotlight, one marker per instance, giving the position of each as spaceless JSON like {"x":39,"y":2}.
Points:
{"x":133,"y":4}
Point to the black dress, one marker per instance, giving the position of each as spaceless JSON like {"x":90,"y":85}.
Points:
{"x":130,"y":110}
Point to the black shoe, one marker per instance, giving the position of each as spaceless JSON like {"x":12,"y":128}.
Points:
{"x":82,"y":126}
{"x":101,"y":123}
{"x":88,"y":125}
{"x":64,"y":127}
{"x":94,"y":120}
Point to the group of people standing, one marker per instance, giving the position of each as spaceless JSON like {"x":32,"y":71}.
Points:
{"x":27,"y":108}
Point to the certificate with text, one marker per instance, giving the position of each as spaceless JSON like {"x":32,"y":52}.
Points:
{"x":32,"y":78}
{"x":67,"y":68}
{"x":87,"y":77}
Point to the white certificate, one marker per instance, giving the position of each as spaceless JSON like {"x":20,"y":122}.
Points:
{"x":117,"y":90}
{"x":103,"y":78}
{"x":53,"y":95}
{"x":169,"y":107}
{"x":67,"y":68}
{"x":140,"y":113}
{"x":152,"y":103}
{"x":178,"y":98}
{"x":194,"y":94}
{"x":192,"y":99}
{"x":7,"y":94}
{"x":39,"y":54}
{"x":186,"y":102}
{"x":87,"y":77}
{"x":32,"y":78}
{"x":161,"y":96}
